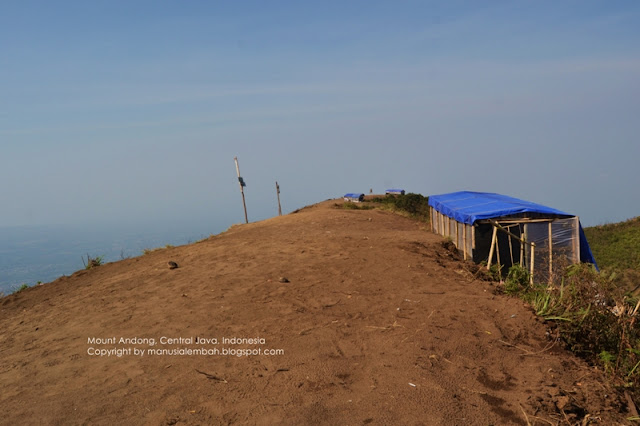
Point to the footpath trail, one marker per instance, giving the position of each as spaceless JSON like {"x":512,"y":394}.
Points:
{"x":360,"y":317}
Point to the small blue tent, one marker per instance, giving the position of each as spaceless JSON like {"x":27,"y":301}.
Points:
{"x":354,"y":196}
{"x":467,"y":217}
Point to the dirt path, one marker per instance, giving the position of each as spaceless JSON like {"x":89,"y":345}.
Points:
{"x":378,"y":324}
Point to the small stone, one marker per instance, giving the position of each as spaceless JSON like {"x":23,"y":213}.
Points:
{"x":283,"y":280}
{"x":172,"y":264}
{"x":562,"y":402}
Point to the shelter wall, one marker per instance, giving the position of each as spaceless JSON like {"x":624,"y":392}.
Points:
{"x":557,"y":242}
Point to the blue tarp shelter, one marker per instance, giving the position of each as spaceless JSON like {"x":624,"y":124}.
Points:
{"x":394,"y":191}
{"x":466,"y":216}
{"x":354,"y":196}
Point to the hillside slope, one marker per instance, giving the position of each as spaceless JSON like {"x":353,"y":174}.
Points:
{"x":616,"y":245}
{"x":378,"y":323}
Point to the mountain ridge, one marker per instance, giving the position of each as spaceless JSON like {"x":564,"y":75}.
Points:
{"x":370,"y":319}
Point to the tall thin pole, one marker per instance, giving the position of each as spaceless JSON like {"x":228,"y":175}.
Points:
{"x":278,"y":192}
{"x":242,"y":185}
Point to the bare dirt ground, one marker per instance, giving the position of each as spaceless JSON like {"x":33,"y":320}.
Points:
{"x":379,"y":323}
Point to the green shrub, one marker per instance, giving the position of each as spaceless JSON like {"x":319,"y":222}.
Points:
{"x":22,"y":287}
{"x":354,"y":206}
{"x":592,"y":316}
{"x":415,"y":205}
{"x":92,"y":262}
{"x":517,"y":279}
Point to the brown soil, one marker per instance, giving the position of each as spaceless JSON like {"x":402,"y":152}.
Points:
{"x":380,"y":323}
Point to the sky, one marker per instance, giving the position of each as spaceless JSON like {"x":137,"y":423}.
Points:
{"x":127,"y":112}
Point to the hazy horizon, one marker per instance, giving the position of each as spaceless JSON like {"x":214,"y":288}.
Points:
{"x":132,"y":112}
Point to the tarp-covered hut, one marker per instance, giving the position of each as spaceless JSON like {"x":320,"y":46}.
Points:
{"x":354,"y":196}
{"x":505,"y":230}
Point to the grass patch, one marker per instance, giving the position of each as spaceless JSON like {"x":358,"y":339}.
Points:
{"x":92,"y":262}
{"x":354,"y":206}
{"x":21,"y":288}
{"x":593,"y":317}
{"x":413,"y":205}
{"x":616,"y":248}
{"x":616,"y":245}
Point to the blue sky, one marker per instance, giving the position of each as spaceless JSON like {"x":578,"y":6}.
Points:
{"x":132,"y":111}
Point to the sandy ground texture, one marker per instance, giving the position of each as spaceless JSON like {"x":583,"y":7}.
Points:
{"x":360,"y":317}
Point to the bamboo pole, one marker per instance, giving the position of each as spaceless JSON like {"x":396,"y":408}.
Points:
{"x":432,"y":218}
{"x":576,"y":239}
{"x":464,"y":241}
{"x":510,"y":247}
{"x":533,"y":250}
{"x":496,"y":224}
{"x":499,"y":263}
{"x":473,"y":238}
{"x":242,"y":185}
{"x":519,"y":220}
{"x":493,"y":246}
{"x":550,"y":253}
{"x":522,"y":244}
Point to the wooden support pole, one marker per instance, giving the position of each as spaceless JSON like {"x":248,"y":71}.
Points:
{"x":473,"y":238}
{"x":510,"y":248}
{"x":533,"y":250}
{"x":550,"y":253}
{"x":242,"y":185}
{"x":576,"y":239}
{"x":523,"y":240}
{"x":457,"y":233}
{"x":499,"y":263}
{"x":278,"y":192}
{"x":464,"y":241}
{"x":432,"y":217}
{"x":493,"y":246}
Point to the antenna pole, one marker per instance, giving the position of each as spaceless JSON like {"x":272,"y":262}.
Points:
{"x":242,"y":185}
{"x":278,"y":192}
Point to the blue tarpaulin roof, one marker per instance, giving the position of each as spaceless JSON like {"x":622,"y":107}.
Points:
{"x":469,"y":207}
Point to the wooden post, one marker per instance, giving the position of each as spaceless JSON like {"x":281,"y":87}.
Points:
{"x":510,"y":245}
{"x":498,"y":257}
{"x":431,"y":217}
{"x":457,"y":232}
{"x":576,"y":239}
{"x":473,"y":238}
{"x":493,"y":246}
{"x":278,"y":192}
{"x":550,"y":253}
{"x":533,"y":250}
{"x":242,"y":185}
{"x":464,"y":241}
{"x":522,"y":244}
